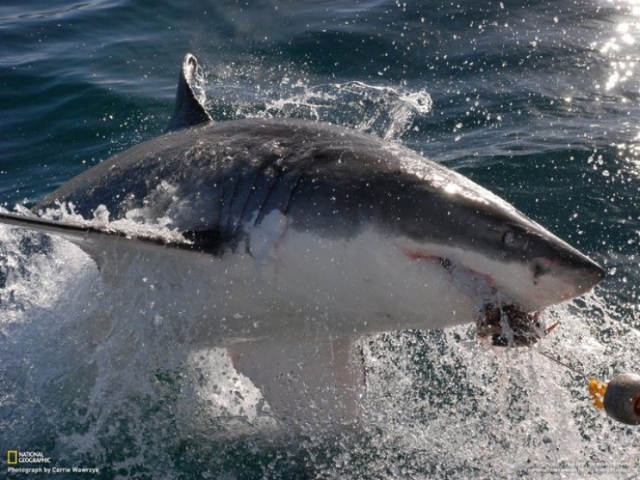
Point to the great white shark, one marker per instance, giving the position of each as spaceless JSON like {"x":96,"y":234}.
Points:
{"x":290,"y":239}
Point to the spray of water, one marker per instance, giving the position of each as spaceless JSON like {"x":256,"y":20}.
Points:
{"x":89,"y":378}
{"x":119,"y":387}
{"x":387,"y":112}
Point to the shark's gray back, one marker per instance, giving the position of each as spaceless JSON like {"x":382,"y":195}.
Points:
{"x":220,"y":178}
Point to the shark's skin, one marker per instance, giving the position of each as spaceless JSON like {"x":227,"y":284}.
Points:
{"x":336,"y":184}
{"x":299,"y":237}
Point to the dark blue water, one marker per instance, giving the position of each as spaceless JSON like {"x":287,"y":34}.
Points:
{"x":539,"y":101}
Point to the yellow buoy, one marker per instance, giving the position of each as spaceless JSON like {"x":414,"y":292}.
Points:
{"x":620,"y":398}
{"x":597,"y":389}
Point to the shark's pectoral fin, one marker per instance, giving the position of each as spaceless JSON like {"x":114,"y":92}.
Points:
{"x":104,"y":244}
{"x":308,"y":382}
{"x":89,"y":238}
{"x":189,"y":109}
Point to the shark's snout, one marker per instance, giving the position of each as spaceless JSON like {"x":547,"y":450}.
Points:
{"x":564,"y":273}
{"x":584,"y":273}
{"x":546,"y":255}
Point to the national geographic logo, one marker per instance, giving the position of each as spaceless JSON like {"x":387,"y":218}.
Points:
{"x":36,"y":463}
{"x":15,"y":457}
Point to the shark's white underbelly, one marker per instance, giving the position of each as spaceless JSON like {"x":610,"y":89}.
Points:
{"x":284,"y":284}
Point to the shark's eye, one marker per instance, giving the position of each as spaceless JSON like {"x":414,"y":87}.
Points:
{"x":514,"y":240}
{"x":509,"y":239}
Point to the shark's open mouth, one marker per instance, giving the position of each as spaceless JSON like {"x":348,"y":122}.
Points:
{"x":510,"y":325}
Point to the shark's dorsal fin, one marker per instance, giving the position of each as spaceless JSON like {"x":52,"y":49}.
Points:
{"x":189,"y":110}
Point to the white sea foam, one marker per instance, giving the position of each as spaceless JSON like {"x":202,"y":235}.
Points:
{"x":136,"y":223}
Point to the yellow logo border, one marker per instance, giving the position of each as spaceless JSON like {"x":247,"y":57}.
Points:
{"x":12,"y":457}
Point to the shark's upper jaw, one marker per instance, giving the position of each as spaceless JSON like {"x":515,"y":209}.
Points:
{"x":532,"y":284}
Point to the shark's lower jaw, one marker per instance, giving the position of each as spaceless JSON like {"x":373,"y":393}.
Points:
{"x":510,"y":325}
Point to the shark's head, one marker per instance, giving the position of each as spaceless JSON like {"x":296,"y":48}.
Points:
{"x":515,"y":268}
{"x":512,"y":265}
{"x":463,"y":248}
{"x":535,"y":268}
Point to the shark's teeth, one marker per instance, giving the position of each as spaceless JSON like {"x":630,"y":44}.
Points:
{"x":509,"y":325}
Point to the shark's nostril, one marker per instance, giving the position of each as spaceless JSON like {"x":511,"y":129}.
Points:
{"x":539,"y":269}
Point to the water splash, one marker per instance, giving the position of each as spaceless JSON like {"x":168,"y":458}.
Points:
{"x":385,"y":111}
{"x":119,"y":388}
{"x":388,"y":112}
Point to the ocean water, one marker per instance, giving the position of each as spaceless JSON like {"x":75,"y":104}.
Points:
{"x":538,"y":101}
